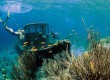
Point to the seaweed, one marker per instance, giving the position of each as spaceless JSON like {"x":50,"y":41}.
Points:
{"x":93,"y":64}
{"x":26,"y":67}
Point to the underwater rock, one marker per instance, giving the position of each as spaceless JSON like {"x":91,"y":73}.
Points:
{"x":105,"y":42}
{"x":3,"y":70}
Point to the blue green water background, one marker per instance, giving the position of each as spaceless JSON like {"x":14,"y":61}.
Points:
{"x":63,"y":16}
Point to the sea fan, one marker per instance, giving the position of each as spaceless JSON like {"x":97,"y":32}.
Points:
{"x":26,"y":67}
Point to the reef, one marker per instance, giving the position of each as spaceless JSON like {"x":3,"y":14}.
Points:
{"x":93,"y":64}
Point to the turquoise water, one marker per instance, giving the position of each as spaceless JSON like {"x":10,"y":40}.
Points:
{"x":63,"y":17}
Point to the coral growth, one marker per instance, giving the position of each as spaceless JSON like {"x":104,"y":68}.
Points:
{"x":93,"y":64}
{"x":26,"y":67}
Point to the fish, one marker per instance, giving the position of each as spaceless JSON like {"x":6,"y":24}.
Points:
{"x":50,"y":51}
{"x":42,"y":42}
{"x":55,"y":44}
{"x":31,"y":42}
{"x":49,"y":45}
{"x":107,"y":28}
{"x":74,"y":41}
{"x":71,"y":34}
{"x":75,"y":33}
{"x":43,"y":47}
{"x":52,"y":35}
{"x":73,"y":30}
{"x":25,"y":43}
{"x":33,"y":49}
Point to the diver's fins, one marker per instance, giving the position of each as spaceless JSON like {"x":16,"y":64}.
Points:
{"x":6,"y":18}
{"x":1,"y":20}
{"x":8,"y":13}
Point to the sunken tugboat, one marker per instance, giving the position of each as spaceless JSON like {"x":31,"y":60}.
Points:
{"x":37,"y":40}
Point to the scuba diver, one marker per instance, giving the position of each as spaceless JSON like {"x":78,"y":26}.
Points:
{"x":19,"y":33}
{"x":54,"y":35}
